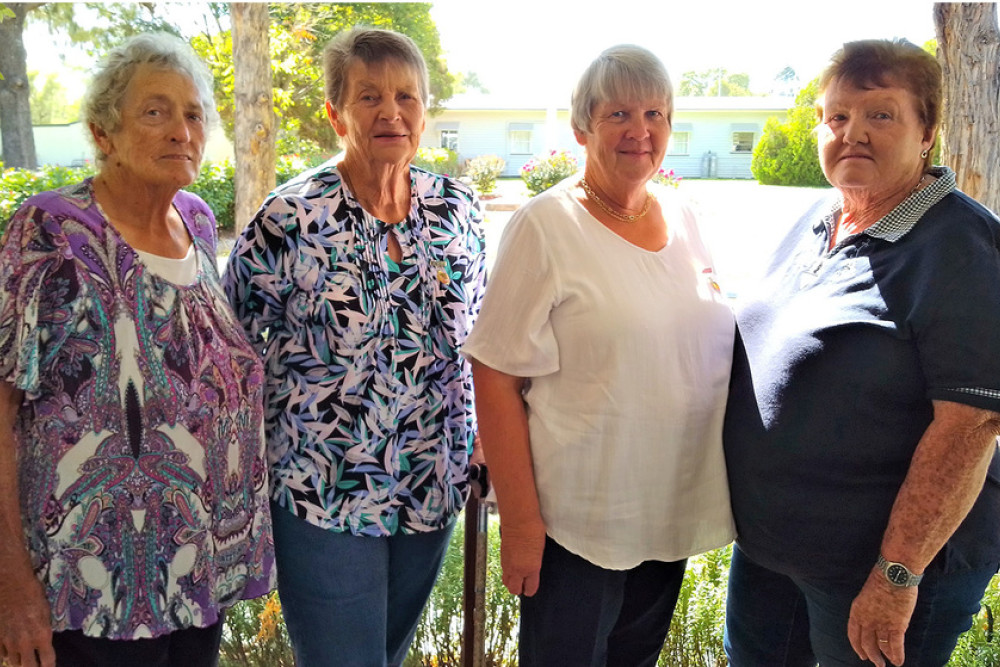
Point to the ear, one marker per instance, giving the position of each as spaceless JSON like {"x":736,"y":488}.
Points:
{"x":581,"y":137}
{"x":930,"y":135}
{"x":101,"y":138}
{"x":335,"y":120}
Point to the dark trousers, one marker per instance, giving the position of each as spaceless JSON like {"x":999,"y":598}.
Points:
{"x":586,"y":615}
{"x":192,"y":647}
{"x":773,"y":620}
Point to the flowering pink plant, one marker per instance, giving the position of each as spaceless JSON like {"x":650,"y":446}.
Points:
{"x":541,"y":173}
{"x":664,"y":177}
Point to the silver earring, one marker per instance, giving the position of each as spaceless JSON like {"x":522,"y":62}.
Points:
{"x":924,"y":154}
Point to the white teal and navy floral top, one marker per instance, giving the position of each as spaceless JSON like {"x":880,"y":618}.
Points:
{"x":143,"y":482}
{"x":369,"y":406}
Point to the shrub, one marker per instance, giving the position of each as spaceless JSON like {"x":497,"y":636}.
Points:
{"x":483,"y":171}
{"x":255,"y":635}
{"x":438,"y":642}
{"x":695,"y":637}
{"x":542,"y":173}
{"x":215,"y":185}
{"x":664,"y":177}
{"x":437,"y":160}
{"x":979,"y":647}
{"x":16,"y":185}
{"x":787,"y":153}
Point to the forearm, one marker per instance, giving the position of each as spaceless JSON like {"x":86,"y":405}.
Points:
{"x":945,"y":477}
{"x":503,"y":429}
{"x":13,"y":550}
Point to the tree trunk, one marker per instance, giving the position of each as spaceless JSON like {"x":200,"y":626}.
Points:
{"x":253,"y":124}
{"x":15,"y":92}
{"x":969,"y":53}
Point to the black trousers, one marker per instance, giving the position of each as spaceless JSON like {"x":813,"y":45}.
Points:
{"x":584,"y":615}
{"x":192,"y":647}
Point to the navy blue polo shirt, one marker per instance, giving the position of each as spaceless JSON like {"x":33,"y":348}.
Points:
{"x":839,"y":356}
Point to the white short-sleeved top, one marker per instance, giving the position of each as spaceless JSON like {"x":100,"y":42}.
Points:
{"x":628,"y":352}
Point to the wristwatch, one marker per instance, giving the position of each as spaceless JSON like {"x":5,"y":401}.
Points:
{"x":897,"y":574}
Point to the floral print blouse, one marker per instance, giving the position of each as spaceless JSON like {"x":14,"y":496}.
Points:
{"x":368,"y":406}
{"x":141,"y":469}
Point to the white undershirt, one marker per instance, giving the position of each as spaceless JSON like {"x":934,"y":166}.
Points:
{"x":628,"y":352}
{"x":182,"y":271}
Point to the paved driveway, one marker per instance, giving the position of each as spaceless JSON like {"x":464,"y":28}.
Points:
{"x":740,"y":220}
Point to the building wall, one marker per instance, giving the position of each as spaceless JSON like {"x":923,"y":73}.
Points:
{"x":69,"y":146}
{"x":483,"y":132}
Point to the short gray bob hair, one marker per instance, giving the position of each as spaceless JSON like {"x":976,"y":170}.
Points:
{"x":623,"y":72}
{"x":103,"y":100}
{"x":371,"y":46}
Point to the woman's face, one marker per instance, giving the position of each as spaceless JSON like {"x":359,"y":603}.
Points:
{"x":627,"y":140}
{"x":382,"y":114}
{"x":870,"y":141}
{"x":162,"y":131}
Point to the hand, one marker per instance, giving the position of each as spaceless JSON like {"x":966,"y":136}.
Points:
{"x":25,"y":625}
{"x":521,"y":550}
{"x":879,"y":617}
{"x":477,"y":457}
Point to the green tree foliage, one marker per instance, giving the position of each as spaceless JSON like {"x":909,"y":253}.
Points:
{"x":298,"y":33}
{"x":786,"y":153}
{"x":98,"y":27}
{"x":49,"y":105}
{"x":716,"y":82}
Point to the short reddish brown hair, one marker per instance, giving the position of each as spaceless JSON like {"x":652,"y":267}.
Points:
{"x":881,"y":63}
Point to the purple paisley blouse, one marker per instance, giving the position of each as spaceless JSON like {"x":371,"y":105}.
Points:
{"x":143,"y":484}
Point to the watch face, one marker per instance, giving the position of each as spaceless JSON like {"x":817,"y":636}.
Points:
{"x":897,"y":574}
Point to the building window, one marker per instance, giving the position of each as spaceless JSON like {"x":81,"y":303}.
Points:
{"x":742,"y":142}
{"x":680,"y":143}
{"x":449,"y":140}
{"x":520,"y":142}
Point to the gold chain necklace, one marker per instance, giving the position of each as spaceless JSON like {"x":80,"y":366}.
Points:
{"x":610,"y":211}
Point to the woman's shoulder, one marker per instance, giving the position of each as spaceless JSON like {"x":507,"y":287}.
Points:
{"x":959,"y":219}
{"x":291,"y":204}
{"x":446,"y":194}
{"x":75,"y":200}
{"x":197,"y":214}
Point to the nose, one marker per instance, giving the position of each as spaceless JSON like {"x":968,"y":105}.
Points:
{"x":389,"y":109}
{"x":179,"y":130}
{"x":855,"y":131}
{"x":638,"y":127}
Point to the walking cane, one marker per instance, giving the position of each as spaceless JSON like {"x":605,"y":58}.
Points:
{"x":474,"y":590}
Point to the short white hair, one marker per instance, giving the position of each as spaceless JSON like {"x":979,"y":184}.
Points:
{"x":623,"y":72}
{"x":103,"y":100}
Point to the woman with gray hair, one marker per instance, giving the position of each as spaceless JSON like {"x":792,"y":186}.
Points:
{"x":601,"y":362}
{"x":357,"y":282}
{"x":133,"y":505}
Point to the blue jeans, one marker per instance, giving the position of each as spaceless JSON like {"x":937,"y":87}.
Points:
{"x":584,"y":615}
{"x":349,"y":600}
{"x":774,"y":620}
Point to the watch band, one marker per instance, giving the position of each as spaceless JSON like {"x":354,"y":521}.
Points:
{"x":897,"y":574}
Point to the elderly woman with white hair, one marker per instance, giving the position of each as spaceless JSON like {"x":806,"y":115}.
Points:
{"x":601,"y":362}
{"x":358,"y":282}
{"x":133,"y":504}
